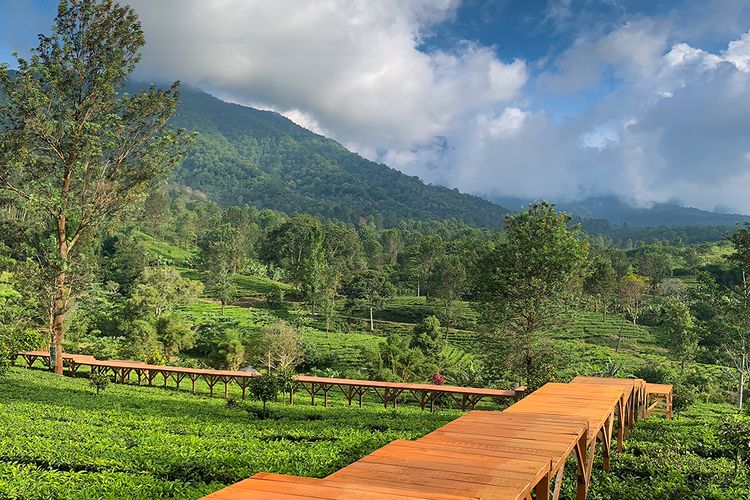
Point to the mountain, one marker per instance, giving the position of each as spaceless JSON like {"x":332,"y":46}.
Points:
{"x":616,"y":211}
{"x":245,"y":155}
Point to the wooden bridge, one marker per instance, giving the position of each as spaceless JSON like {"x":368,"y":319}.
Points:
{"x":388,"y":392}
{"x":519,"y":453}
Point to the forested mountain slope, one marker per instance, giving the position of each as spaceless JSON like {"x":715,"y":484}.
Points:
{"x":244,"y":155}
{"x":618,"y":212}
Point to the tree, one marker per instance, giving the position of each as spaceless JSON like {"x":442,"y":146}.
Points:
{"x":680,"y":327}
{"x":601,"y":281}
{"x":421,"y":257}
{"x":221,"y":286}
{"x":632,"y":292}
{"x":221,"y":248}
{"x":174,"y":333}
{"x":445,"y":284}
{"x":264,"y":388}
{"x":523,"y":284}
{"x":734,"y":431}
{"x":230,"y":350}
{"x":161,"y":289}
{"x":296,"y":245}
{"x":426,"y":337}
{"x":74,"y":148}
{"x":369,"y":287}
{"x":740,"y":241}
{"x":282,"y":348}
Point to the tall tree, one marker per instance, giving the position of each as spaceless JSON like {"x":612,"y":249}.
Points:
{"x":633,"y":291}
{"x":680,"y":327}
{"x":524,"y":284}
{"x":369,"y":287}
{"x":601,"y":281}
{"x":445,"y":284}
{"x":73,"y":147}
{"x":296,"y":245}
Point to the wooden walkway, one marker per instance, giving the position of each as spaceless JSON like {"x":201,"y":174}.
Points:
{"x":659,"y":399}
{"x":519,"y":453}
{"x":516,"y":454}
{"x":388,"y":392}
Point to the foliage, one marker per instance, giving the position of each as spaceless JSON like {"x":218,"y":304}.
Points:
{"x":734,"y":431}
{"x":680,"y":326}
{"x":282,"y":349}
{"x":370,"y":287}
{"x":445,"y":284}
{"x":632,"y":293}
{"x":75,"y":150}
{"x":264,"y":388}
{"x":244,"y":154}
{"x":427,"y":337}
{"x":98,"y":381}
{"x":164,"y":444}
{"x":525,"y":283}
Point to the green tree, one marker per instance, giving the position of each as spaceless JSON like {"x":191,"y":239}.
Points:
{"x":161,"y":289}
{"x":174,"y":333}
{"x":420,"y":258}
{"x":427,"y":338}
{"x":740,"y":241}
{"x":734,"y":432}
{"x":220,"y":284}
{"x":445,"y":284}
{"x":601,"y":281}
{"x":74,"y":148}
{"x":296,"y":245}
{"x":264,"y":388}
{"x":679,"y":324}
{"x":525,"y":283}
{"x":632,"y":293}
{"x":369,"y":287}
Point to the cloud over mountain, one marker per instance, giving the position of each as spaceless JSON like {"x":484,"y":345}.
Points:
{"x":650,"y":105}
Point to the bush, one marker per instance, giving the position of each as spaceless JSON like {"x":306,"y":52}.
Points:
{"x":264,"y":388}
{"x":274,"y":296}
{"x":98,"y":381}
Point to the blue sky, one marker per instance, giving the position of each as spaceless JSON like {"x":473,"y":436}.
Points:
{"x":539,"y":98}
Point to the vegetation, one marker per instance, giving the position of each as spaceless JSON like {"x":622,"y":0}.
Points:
{"x":149,"y":443}
{"x":366,"y":282}
{"x":73,"y":151}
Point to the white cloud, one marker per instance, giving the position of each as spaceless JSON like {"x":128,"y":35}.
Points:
{"x":352,"y":68}
{"x":670,"y":124}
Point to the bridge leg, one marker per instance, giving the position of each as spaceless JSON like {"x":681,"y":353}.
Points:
{"x":542,"y":490}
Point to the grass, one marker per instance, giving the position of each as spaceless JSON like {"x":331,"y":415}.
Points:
{"x":60,"y":440}
{"x":160,"y":250}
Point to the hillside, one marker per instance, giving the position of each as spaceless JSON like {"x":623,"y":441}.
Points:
{"x":244,"y":155}
{"x":618,"y":212}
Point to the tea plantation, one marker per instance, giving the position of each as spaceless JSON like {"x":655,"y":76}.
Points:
{"x":58,"y":439}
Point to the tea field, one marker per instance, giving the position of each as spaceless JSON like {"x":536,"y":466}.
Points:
{"x":58,"y":439}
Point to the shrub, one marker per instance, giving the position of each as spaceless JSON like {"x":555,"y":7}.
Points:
{"x":98,"y":381}
{"x":274,"y":296}
{"x":264,"y":388}
{"x":734,"y":431}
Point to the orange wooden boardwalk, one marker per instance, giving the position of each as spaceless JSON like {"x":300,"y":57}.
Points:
{"x":519,"y":453}
{"x":388,"y":392}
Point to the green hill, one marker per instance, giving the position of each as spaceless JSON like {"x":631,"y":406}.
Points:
{"x":244,"y":155}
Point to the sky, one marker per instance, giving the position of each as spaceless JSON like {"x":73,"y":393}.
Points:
{"x":556,"y":99}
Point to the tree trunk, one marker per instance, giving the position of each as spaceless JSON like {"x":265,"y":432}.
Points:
{"x":742,"y":387}
{"x":58,"y":323}
{"x":417,"y":288}
{"x":372,"y":323}
{"x":223,"y":305}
